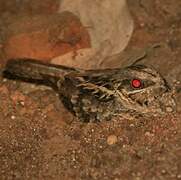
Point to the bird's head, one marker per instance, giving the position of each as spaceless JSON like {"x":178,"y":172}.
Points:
{"x":141,"y":88}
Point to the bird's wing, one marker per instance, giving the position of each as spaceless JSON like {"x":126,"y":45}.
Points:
{"x":98,"y":83}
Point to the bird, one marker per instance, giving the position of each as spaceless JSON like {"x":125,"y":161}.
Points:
{"x":97,"y":95}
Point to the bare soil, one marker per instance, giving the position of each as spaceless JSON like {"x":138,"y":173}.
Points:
{"x":40,"y":139}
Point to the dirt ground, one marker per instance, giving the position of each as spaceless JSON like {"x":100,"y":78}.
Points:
{"x":40,"y":139}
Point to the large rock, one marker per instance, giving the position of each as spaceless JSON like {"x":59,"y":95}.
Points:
{"x":108,"y":21}
{"x":109,"y":24}
{"x":45,"y":37}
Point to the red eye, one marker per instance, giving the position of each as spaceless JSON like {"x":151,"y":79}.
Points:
{"x":136,"y":83}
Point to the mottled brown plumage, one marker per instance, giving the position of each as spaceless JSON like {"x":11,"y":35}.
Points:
{"x":96,"y":95}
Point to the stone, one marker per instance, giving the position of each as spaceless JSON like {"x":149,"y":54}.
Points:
{"x":45,"y":37}
{"x":112,"y":139}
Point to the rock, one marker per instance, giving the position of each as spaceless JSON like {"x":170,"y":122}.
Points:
{"x":108,"y":22}
{"x":169,"y":109}
{"x":82,"y":58}
{"x":45,"y":37}
{"x":29,"y":6}
{"x":112,"y":139}
{"x":110,"y":26}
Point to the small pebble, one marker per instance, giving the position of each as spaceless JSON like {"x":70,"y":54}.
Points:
{"x":179,"y":176}
{"x":4,"y":80}
{"x":148,"y":134}
{"x":142,"y":24}
{"x":112,"y":139}
{"x":177,"y":82}
{"x":22,"y":103}
{"x":169,"y":109}
{"x":132,"y":125}
{"x":163,"y":171}
{"x":13,"y":117}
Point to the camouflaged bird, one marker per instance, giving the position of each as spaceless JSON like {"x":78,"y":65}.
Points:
{"x":97,"y":95}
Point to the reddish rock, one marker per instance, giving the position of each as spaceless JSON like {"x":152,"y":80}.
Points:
{"x":45,"y":37}
{"x":29,"y":6}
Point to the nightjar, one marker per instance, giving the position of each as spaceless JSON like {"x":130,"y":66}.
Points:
{"x":96,"y":95}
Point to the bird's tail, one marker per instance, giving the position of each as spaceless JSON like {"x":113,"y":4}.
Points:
{"x":30,"y":69}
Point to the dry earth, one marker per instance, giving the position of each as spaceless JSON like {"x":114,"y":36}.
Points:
{"x":39,"y":139}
